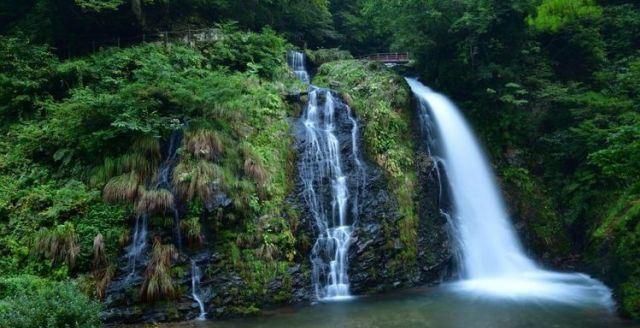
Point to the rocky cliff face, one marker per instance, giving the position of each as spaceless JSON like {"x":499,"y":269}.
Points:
{"x":396,"y":242}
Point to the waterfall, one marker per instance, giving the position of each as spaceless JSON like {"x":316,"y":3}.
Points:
{"x":195,"y":289}
{"x":138,"y":244}
{"x":493,"y":261}
{"x":332,"y":175}
{"x":163,"y":181}
{"x":296,"y":62}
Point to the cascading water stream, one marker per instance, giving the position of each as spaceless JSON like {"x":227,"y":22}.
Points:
{"x":164,"y":180}
{"x":138,"y":244}
{"x":493,"y":262}
{"x":331,"y":183}
{"x":196,"y":274}
{"x":140,"y":232}
{"x":296,"y":62}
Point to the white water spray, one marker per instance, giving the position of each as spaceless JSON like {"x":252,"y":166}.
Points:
{"x":493,"y":262}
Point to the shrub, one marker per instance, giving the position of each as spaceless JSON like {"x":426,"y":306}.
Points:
{"x":32,"y":302}
{"x":158,"y":283}
{"x":58,"y":245}
{"x":322,"y":56}
{"x":155,"y":202}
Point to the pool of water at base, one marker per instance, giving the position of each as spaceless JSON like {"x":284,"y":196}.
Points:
{"x":435,"y":307}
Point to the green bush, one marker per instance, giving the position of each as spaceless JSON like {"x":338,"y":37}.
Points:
{"x":31,"y":302}
{"x":323,"y":56}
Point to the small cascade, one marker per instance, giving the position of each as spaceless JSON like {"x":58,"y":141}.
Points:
{"x":164,"y":180}
{"x":321,"y":162}
{"x":138,"y":244}
{"x":296,"y":61}
{"x":196,"y":274}
{"x":171,"y":157}
{"x":137,"y":248}
{"x":332,"y":175}
{"x":492,"y":261}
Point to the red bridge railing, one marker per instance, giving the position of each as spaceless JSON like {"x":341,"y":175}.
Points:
{"x":391,"y":57}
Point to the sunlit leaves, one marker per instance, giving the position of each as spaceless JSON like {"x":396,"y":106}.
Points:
{"x":552,"y":15}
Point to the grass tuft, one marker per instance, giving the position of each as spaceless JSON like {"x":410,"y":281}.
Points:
{"x":158,"y":283}
{"x":122,"y":188}
{"x":204,"y":144}
{"x":58,"y":245}
{"x":156,"y":201}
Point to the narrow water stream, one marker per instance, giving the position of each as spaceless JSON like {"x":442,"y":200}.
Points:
{"x":331,"y":173}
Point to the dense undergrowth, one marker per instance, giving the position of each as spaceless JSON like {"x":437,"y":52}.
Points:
{"x":82,"y":141}
{"x":551,"y":87}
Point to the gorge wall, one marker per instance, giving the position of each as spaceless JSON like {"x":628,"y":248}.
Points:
{"x":399,"y":239}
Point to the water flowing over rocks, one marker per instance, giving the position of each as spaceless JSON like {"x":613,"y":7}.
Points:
{"x":348,"y":214}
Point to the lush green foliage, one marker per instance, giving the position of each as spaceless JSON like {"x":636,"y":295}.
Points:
{"x":552,"y":15}
{"x":28,"y":302}
{"x":82,"y":141}
{"x":552,"y":88}
{"x":322,"y":56}
{"x":72,"y":26}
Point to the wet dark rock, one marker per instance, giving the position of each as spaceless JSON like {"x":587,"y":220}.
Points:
{"x":218,"y":200}
{"x":375,"y":263}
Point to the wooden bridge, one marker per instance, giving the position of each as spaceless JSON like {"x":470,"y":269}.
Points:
{"x":392,"y":58}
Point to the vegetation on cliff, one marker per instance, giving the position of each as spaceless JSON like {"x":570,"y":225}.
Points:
{"x":381,"y":99}
{"x":550,"y":85}
{"x":83,"y":140}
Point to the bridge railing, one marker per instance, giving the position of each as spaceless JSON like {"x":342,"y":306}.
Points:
{"x":388,"y":57}
{"x":85,"y":44}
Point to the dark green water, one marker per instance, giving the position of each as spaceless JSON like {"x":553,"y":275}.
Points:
{"x":434,"y":307}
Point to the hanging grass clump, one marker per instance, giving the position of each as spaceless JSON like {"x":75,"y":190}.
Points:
{"x":155,"y":201}
{"x":192,"y":230}
{"x":253,"y":166}
{"x":148,"y":146}
{"x":158,"y":283}
{"x":122,"y":188}
{"x":204,"y":144}
{"x":197,"y":179}
{"x":60,"y":245}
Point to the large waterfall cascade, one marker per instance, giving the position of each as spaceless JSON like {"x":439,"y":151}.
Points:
{"x":331,"y":182}
{"x":493,"y":262}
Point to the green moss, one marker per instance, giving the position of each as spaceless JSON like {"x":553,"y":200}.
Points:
{"x":630,"y":294}
{"x":615,"y":246}
{"x":381,"y":99}
{"x":248,"y":310}
{"x":531,"y":204}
